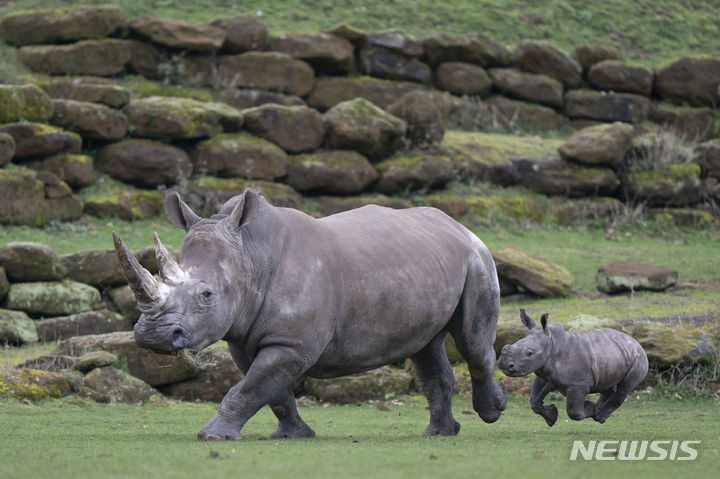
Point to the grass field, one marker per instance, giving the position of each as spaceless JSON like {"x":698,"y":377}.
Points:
{"x":66,"y":439}
{"x":648,"y":31}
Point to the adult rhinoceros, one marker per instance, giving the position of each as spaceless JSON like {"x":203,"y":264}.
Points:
{"x":294,"y":295}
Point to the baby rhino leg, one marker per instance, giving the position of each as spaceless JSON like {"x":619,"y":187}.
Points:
{"x":540,"y":389}
{"x":577,"y":407}
{"x":606,"y":405}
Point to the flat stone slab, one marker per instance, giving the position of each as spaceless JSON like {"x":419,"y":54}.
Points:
{"x":533,"y":273}
{"x":621,"y":276}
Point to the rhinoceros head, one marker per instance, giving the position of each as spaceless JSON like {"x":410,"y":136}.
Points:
{"x":192,"y":303}
{"x":531,"y":352}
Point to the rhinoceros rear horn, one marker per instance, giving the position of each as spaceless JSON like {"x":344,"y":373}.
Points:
{"x":169,"y":269}
{"x":142,"y":283}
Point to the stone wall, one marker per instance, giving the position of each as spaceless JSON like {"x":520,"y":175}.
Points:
{"x":345,"y":117}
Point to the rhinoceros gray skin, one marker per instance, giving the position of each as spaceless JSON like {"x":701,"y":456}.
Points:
{"x":293,"y":295}
{"x":604,"y":361}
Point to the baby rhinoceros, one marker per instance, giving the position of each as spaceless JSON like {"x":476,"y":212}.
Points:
{"x":602,"y":361}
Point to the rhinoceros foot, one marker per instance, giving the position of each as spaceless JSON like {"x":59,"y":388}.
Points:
{"x":295,"y":431}
{"x":490,"y":410}
{"x":550,"y":414}
{"x":449,"y":429}
{"x":219,"y":430}
{"x":601,"y":415}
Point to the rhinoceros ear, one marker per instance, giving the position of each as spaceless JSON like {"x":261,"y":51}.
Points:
{"x":527,"y":320}
{"x":544,"y":323}
{"x":246,"y":209}
{"x":179,"y":213}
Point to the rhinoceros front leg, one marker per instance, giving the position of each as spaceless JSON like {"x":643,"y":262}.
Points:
{"x":577,"y":407}
{"x":290,"y":424}
{"x":270,"y":375}
{"x":540,"y":389}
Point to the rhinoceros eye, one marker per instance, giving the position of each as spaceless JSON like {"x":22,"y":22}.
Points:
{"x":529,"y":353}
{"x":207,"y":294}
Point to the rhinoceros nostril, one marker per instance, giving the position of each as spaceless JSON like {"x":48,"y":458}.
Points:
{"x":178,"y":339}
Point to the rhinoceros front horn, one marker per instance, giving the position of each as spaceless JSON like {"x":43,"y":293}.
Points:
{"x":142,"y":283}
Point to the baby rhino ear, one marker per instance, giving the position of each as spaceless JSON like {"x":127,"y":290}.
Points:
{"x":527,"y":320}
{"x":543,"y":322}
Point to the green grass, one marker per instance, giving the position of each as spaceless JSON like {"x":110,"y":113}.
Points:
{"x":649,"y":31}
{"x":75,"y":439}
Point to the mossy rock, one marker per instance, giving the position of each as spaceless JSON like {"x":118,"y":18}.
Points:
{"x":124,"y":299}
{"x":475,"y":48}
{"x":49,"y":362}
{"x":44,"y":26}
{"x":239,"y":154}
{"x":75,"y":170}
{"x":424,"y":118}
{"x":582,"y":210}
{"x":488,"y":156}
{"x":600,"y":145}
{"x":380,"y":384}
{"x":110,"y":385}
{"x":4,"y":284}
{"x":335,"y":172}
{"x":153,"y":368}
{"x":533,"y":273}
{"x":513,"y":206}
{"x":266,"y":70}
{"x":33,"y":384}
{"x":95,"y":90}
{"x":7,"y":148}
{"x":178,"y":34}
{"x":179,"y":118}
{"x":688,"y":122}
{"x":531,"y":87}
{"x":16,"y":327}
{"x":93,"y":360}
{"x":665,"y":185}
{"x":81,"y":324}
{"x":218,"y":373}
{"x":360,"y":125}
{"x":52,"y":298}
{"x":96,"y":267}
{"x":690,"y":79}
{"x":144,"y":88}
{"x":35,"y":198}
{"x":687,"y":217}
{"x":588,"y":55}
{"x":87,"y":57}
{"x":383,"y":62}
{"x":30,"y":261}
{"x":616,"y":75}
{"x":37,"y":140}
{"x":295,"y":129}
{"x":405,"y":173}
{"x":607,"y":106}
{"x":109,"y":198}
{"x":243,"y":98}
{"x":144,"y":163}
{"x":622,"y":276}
{"x":90,"y":120}
{"x":24,"y":102}
{"x":558,"y":177}
{"x":539,"y":56}
{"x":243,"y":33}
{"x":508,"y":113}
{"x":325,"y":53}
{"x":330,"y":205}
{"x":329,"y":91}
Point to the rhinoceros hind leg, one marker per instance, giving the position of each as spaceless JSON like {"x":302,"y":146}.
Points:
{"x":610,"y":402}
{"x":290,"y":424}
{"x":577,"y":407}
{"x":436,"y":381}
{"x":473,"y":327}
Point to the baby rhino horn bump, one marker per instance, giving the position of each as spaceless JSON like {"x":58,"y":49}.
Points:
{"x":169,"y":269}
{"x":142,"y":283}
